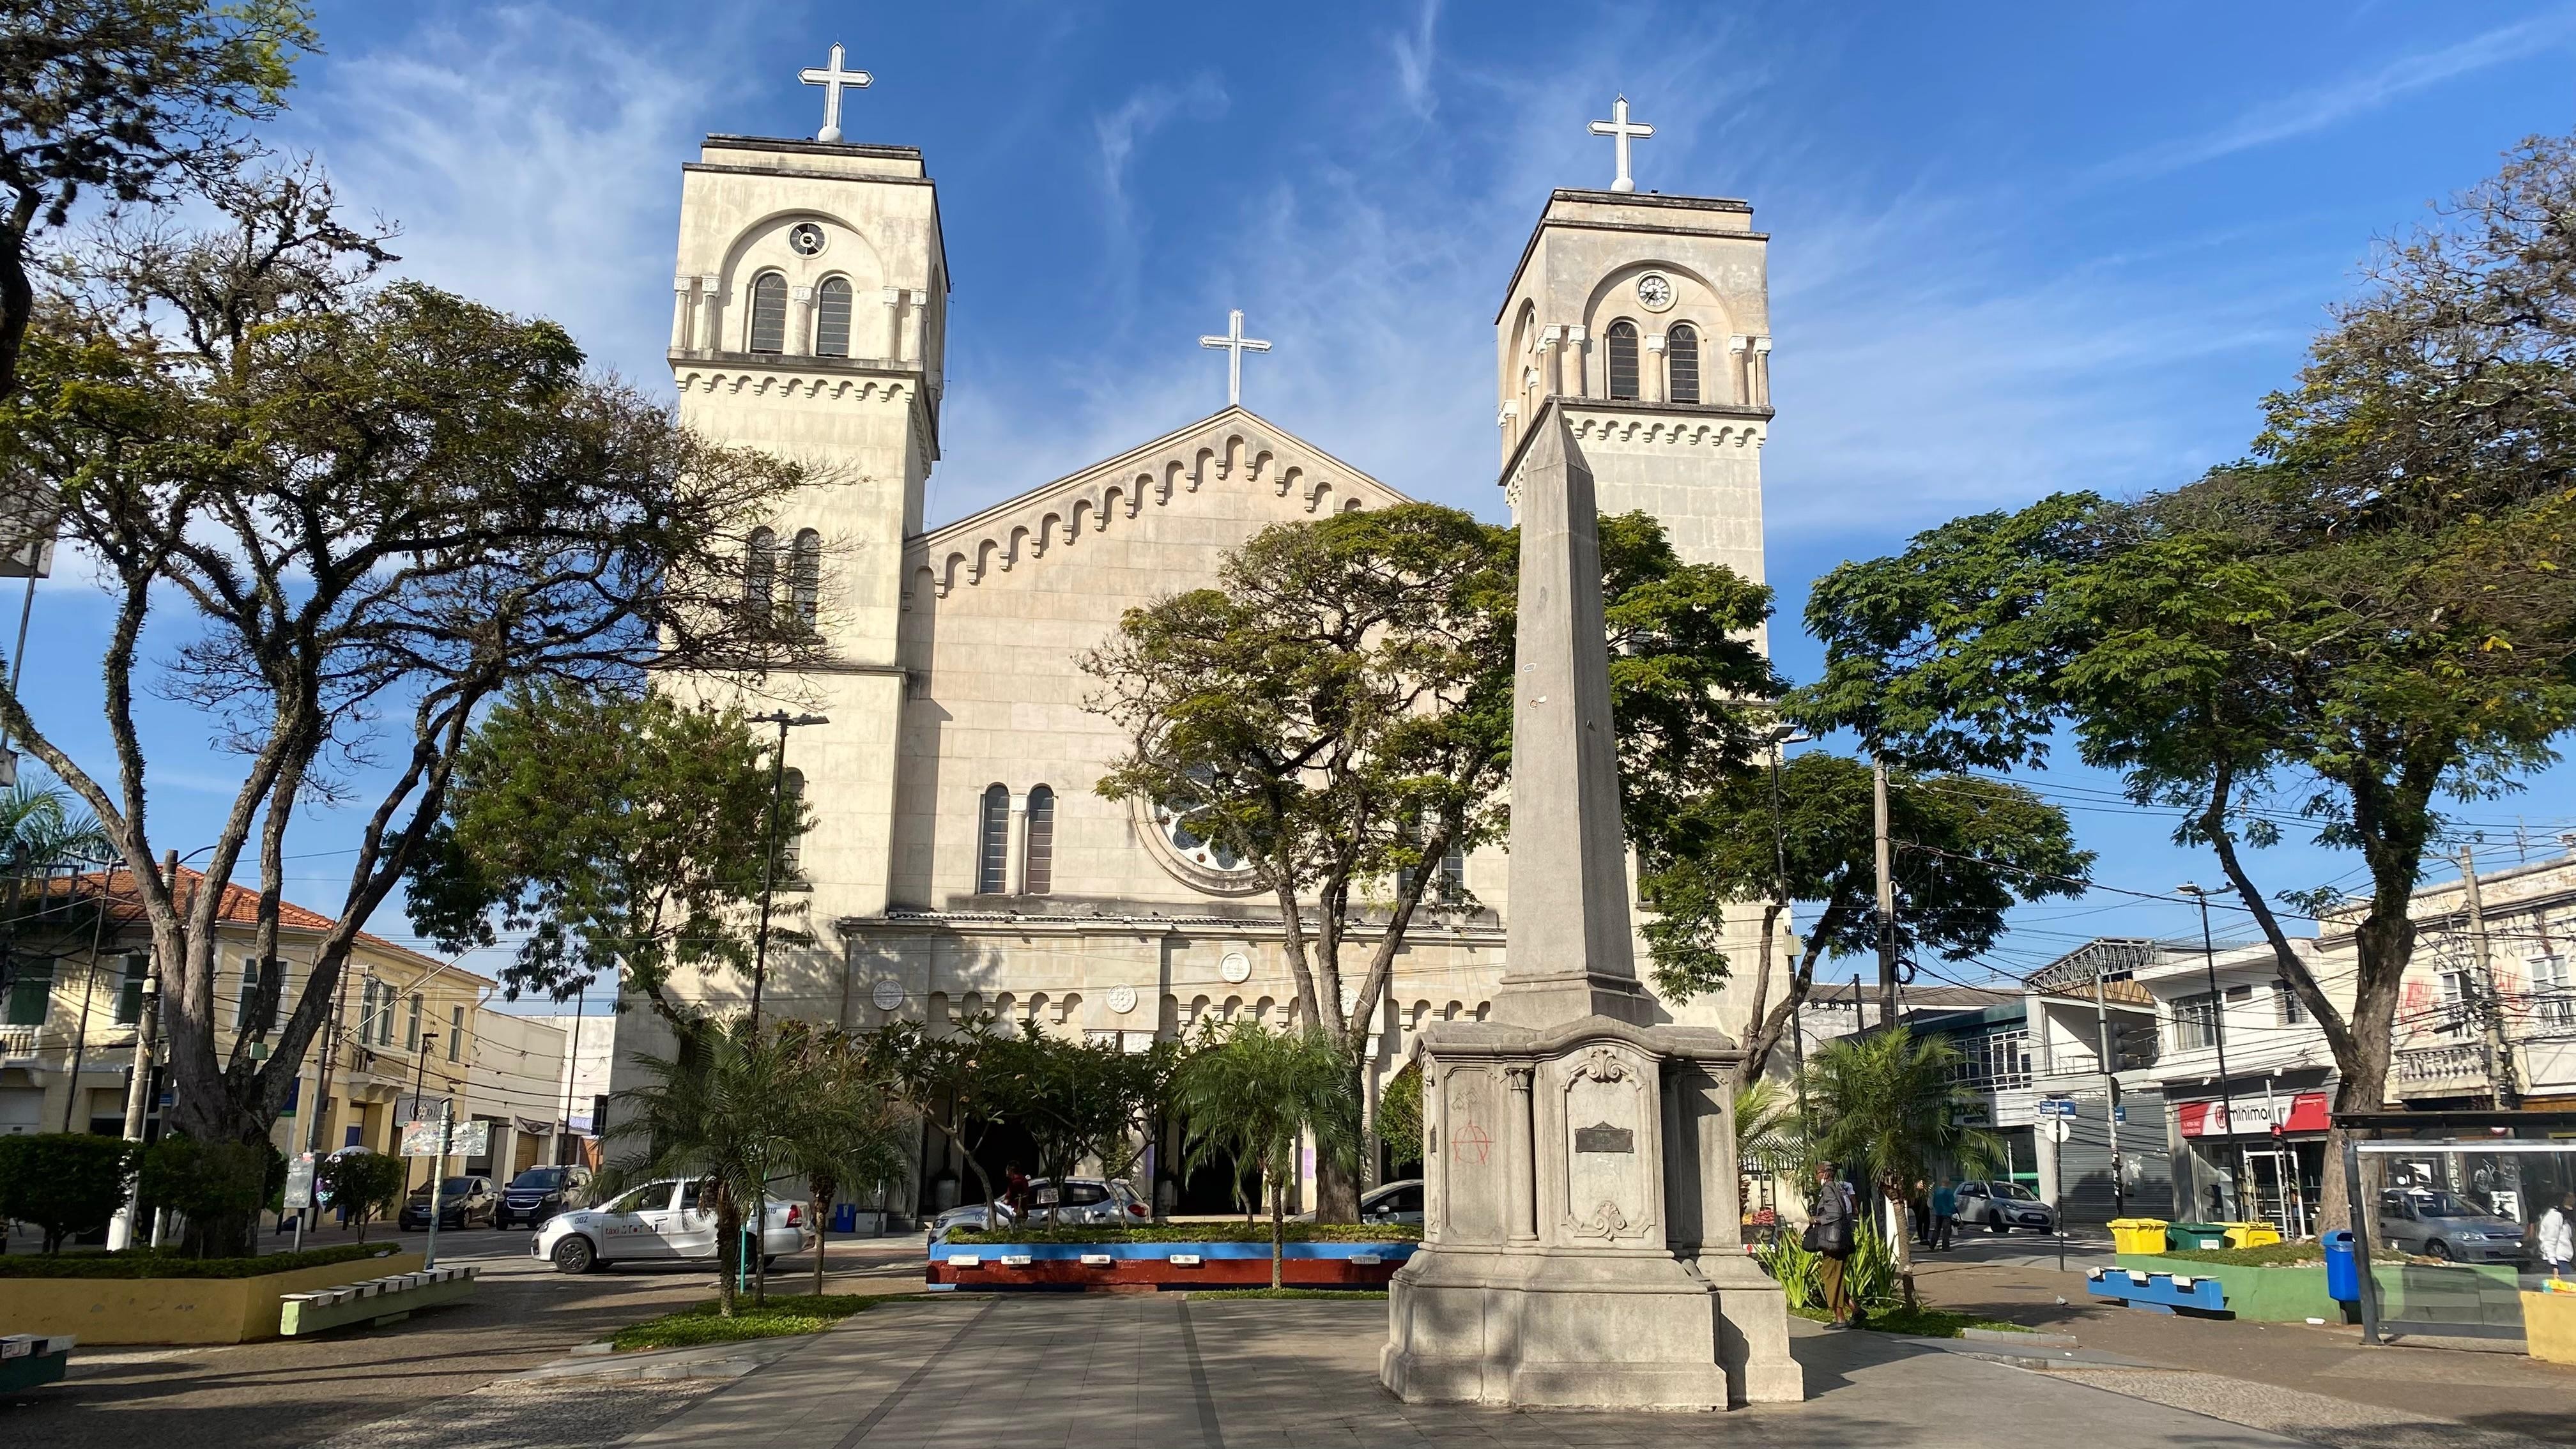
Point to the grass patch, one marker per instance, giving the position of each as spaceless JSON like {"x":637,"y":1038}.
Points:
{"x":1918,"y":1322}
{"x":1199,"y":1233}
{"x":1345,"y":1293}
{"x":145,"y":1263}
{"x":784,"y":1315}
{"x":2269,"y":1255}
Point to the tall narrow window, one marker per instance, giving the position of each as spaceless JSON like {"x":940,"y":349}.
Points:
{"x":455,"y":1032}
{"x":411,"y":1025}
{"x":791,"y":811}
{"x":129,"y":995}
{"x":1681,"y":362}
{"x":760,"y":572}
{"x":1623,"y":360}
{"x":281,"y":992}
{"x":1453,"y":874}
{"x":805,"y":574}
{"x":832,"y":319}
{"x":30,"y":988}
{"x":1040,"y":851}
{"x":769,"y":313}
{"x":367,"y":1011}
{"x":248,"y":1001}
{"x":993,"y":842}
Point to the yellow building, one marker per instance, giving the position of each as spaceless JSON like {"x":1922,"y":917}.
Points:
{"x":402,"y":1023}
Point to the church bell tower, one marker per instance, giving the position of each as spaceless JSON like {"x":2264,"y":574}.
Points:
{"x":809,"y":320}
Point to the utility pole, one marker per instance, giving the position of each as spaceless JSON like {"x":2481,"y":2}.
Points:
{"x":1783,"y":736}
{"x":2218,"y":1038}
{"x":138,"y":1086}
{"x":437,"y":1171}
{"x":1886,"y":894}
{"x":572,"y":1069}
{"x":2110,"y":1054}
{"x":2490,"y":1006}
{"x":769,"y":855}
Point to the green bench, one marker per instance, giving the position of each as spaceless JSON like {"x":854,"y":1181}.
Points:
{"x":28,"y":1359}
{"x":376,"y":1301}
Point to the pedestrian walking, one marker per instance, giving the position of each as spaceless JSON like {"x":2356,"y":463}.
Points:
{"x":1919,"y":1204}
{"x":2558,"y":1235}
{"x":1829,"y":1237}
{"x":1945,"y":1214}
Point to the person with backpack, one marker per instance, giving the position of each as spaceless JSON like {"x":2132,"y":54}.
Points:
{"x":1829,"y":1237}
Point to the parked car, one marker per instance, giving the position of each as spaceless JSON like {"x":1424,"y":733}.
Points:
{"x":1395,"y":1202}
{"x":541,"y":1192}
{"x":658,"y":1222}
{"x":1085,"y":1202}
{"x":462,"y":1201}
{"x":2004,"y":1206}
{"x":2439,"y":1225}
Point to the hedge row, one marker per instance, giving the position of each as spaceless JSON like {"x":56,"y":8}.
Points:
{"x":148,"y":1264}
{"x":1234,"y":1232}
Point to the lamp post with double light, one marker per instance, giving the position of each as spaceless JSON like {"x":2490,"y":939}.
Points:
{"x":769,"y":853}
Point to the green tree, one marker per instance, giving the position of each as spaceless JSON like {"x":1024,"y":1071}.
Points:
{"x":365,"y":1183}
{"x":720,"y":1118}
{"x":944,"y":1080}
{"x":1076,"y":1099}
{"x":217,"y":1186}
{"x":115,"y":99}
{"x":1399,"y":1119}
{"x":1887,"y":1102}
{"x":1771,"y":1137}
{"x":845,"y":1135}
{"x":1336,"y":712}
{"x":616,"y":830}
{"x":2371,"y":614}
{"x":341,"y":520}
{"x":67,"y":1183}
{"x":1968,"y":850}
{"x":1254,"y":1095}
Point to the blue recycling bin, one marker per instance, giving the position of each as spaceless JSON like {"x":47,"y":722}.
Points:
{"x":845,"y":1217}
{"x":2343,"y":1268}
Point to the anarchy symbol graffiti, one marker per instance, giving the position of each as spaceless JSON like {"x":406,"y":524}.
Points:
{"x":1471,"y":1144}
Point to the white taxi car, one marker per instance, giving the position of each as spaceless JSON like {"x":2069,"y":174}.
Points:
{"x":658,"y":1222}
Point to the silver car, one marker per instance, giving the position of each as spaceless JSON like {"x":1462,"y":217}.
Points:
{"x":660,"y":1221}
{"x":2003,"y":1206}
{"x":2439,"y":1225}
{"x":1395,"y":1202}
{"x":1086,"y":1202}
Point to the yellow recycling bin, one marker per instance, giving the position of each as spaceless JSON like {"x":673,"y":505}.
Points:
{"x":2138,"y":1235}
{"x":2251,"y":1235}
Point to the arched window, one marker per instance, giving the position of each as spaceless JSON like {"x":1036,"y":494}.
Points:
{"x":1038,"y":856}
{"x":760,"y":573}
{"x":832,"y":319}
{"x":805,"y":574}
{"x":769,"y":313}
{"x":993,"y":842}
{"x":791,"y":814}
{"x":1681,"y":362}
{"x":1623,"y":360}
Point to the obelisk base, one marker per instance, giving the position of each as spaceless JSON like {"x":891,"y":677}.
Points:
{"x":1555,"y":1329}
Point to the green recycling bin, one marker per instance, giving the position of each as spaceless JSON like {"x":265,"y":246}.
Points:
{"x":2195,"y":1236}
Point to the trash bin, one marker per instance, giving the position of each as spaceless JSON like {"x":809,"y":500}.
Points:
{"x":2343,"y":1269}
{"x":2137,"y":1235}
{"x":2196,"y":1236}
{"x":2251,"y":1235}
{"x":845,"y":1217}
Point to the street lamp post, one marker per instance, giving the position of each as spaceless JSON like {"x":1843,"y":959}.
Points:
{"x":769,"y":856}
{"x":2218,"y":1038}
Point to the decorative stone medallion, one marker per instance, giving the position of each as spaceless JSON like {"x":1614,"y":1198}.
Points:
{"x":887,"y":994}
{"x":1236,"y":968}
{"x":1122,"y":998}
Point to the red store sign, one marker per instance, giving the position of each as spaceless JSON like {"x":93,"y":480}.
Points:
{"x":2306,"y":1112}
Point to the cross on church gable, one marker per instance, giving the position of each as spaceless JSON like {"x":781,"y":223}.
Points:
{"x":1621,"y":132}
{"x":1235,"y":344}
{"x":833,"y":80}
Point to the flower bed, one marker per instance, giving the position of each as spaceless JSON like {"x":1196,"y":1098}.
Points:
{"x":156,"y":1298}
{"x":2417,"y":1290}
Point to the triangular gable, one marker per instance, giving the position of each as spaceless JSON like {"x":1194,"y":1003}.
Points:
{"x":1234,"y":448}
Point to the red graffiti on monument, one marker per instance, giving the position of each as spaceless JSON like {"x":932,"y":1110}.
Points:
{"x":1471,"y":1144}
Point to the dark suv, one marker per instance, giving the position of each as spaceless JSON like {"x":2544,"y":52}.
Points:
{"x":541,"y":1192}
{"x":461,"y":1202}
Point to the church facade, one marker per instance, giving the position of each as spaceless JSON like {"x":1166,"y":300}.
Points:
{"x":959,"y":861}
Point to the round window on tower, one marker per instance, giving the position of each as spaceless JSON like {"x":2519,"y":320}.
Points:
{"x":805,"y":239}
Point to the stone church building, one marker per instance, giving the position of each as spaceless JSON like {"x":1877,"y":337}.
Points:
{"x":959,"y":860}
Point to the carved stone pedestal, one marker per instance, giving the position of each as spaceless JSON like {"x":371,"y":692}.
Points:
{"x":1579,"y":1196}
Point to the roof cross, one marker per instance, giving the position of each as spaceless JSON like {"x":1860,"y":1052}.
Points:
{"x":1618,"y":129}
{"x":1234,"y":344}
{"x":835,"y":80}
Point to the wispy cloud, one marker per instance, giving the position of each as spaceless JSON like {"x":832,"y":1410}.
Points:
{"x":2315,"y":109}
{"x":1413,"y":52}
{"x":1120,"y":132}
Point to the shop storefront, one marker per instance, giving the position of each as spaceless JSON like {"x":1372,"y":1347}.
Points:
{"x":2272,"y":1141}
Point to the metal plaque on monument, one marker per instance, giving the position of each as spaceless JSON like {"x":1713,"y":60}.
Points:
{"x":1581,"y":1240}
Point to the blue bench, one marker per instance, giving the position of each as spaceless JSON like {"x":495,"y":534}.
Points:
{"x":2179,"y":1293}
{"x":28,"y":1359}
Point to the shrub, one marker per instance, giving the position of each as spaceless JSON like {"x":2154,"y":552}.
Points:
{"x":217,"y":1186}
{"x":366,"y":1183}
{"x":148,"y":1263}
{"x":67,"y":1183}
{"x":1869,"y":1274}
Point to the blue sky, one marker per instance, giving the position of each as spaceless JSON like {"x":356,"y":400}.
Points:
{"x":2013,"y":250}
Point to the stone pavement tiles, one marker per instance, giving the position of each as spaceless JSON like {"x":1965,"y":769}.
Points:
{"x":1165,"y":1372}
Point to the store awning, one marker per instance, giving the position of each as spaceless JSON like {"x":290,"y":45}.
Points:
{"x":2254,"y":1116}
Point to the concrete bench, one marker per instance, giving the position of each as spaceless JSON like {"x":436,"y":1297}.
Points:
{"x":27,"y":1360}
{"x":2178,"y":1293}
{"x":377,"y":1301}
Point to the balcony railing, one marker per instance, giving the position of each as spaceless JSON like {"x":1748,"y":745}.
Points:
{"x":18,"y":1041}
{"x":2439,"y":1066}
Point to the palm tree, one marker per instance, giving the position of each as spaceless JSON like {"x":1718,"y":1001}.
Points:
{"x":1770,"y":1139}
{"x":41,"y":825}
{"x":1254,"y":1095}
{"x":719,"y":1116}
{"x":845,"y":1135}
{"x":1890,"y":1102}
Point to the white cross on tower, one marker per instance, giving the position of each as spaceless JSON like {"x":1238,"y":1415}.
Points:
{"x":1235,"y":344}
{"x":1621,"y":133}
{"x":835,"y":80}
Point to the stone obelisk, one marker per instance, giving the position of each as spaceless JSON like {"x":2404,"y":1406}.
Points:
{"x":1581,"y":1241}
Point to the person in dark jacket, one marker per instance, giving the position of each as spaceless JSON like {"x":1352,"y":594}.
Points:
{"x":1829,"y":1237}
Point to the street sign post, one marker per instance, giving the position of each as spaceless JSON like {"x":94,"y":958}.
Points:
{"x":299,"y":1192}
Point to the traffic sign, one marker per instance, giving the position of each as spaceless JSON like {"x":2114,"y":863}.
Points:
{"x":2055,"y":1107}
{"x":299,"y":1182}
